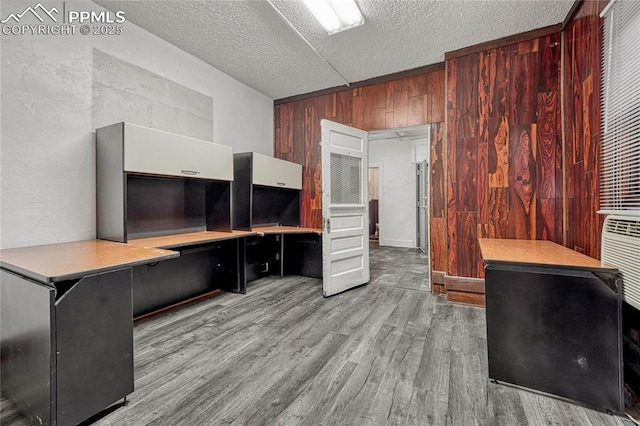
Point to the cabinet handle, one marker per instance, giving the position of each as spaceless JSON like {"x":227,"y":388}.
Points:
{"x":281,"y":183}
{"x":190,"y":172}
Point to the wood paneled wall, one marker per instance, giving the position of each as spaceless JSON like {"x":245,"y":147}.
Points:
{"x":504,"y":149}
{"x":408,"y":101}
{"x":582,"y":53}
{"x":498,"y":167}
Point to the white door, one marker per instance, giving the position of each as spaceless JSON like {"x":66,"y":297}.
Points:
{"x":345,"y":208}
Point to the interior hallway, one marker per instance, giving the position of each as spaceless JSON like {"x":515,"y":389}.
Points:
{"x":383,"y":353}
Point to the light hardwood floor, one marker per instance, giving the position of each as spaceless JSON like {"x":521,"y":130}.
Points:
{"x":384,"y":353}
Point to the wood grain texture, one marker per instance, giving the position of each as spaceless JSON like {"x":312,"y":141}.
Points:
{"x":467,"y":96}
{"x":549,"y":63}
{"x":188,"y":239}
{"x":467,"y":172}
{"x":484,"y":96}
{"x":536,"y":252}
{"x":470,"y":285}
{"x":65,"y":261}
{"x":581,"y":121}
{"x":452,"y":252}
{"x":546,"y":145}
{"x":502,"y":160}
{"x":466,"y":298}
{"x":467,"y":246}
{"x":427,"y":69}
{"x":498,"y":223}
{"x":498,"y":152}
{"x":522,"y":182}
{"x":438,"y":252}
{"x":524,"y":85}
{"x":286,"y":230}
{"x":482,"y":183}
{"x":436,"y":184}
{"x":500,"y":77}
{"x":509,"y":40}
{"x":415,"y":99}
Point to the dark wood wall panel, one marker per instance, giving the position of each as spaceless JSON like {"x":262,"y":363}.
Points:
{"x":407,"y":101}
{"x":581,"y":119}
{"x":437,"y":194}
{"x":503,"y":141}
{"x":498,"y":167}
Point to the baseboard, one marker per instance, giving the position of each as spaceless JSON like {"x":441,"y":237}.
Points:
{"x":437,"y":277}
{"x":474,"y":299}
{"x":464,"y":284}
{"x":397,"y":243}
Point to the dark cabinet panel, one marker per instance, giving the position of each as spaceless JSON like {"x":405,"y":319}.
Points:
{"x":67,"y":348}
{"x":556,"y":331}
{"x":198,"y":270}
{"x":263,"y":256}
{"x":94,"y":345}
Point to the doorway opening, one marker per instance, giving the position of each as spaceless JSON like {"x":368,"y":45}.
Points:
{"x":374,"y":200}
{"x":399,"y":190}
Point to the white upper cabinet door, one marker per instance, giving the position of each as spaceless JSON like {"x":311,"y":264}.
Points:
{"x":161,"y":153}
{"x":271,"y":171}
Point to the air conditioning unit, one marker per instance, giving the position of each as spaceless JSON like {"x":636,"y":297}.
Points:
{"x":621,"y":248}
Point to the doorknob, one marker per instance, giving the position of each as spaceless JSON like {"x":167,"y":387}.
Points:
{"x":328,"y":225}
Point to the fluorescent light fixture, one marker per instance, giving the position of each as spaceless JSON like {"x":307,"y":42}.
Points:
{"x":335,"y":15}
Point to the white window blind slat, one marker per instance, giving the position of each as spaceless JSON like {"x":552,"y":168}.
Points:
{"x":620,"y":153}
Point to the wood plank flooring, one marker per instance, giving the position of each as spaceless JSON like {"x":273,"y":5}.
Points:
{"x":384,"y":353}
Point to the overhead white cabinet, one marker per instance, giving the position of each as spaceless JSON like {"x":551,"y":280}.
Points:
{"x":266,"y":191}
{"x":151,"y":183}
{"x":156,"y":152}
{"x":269,"y":171}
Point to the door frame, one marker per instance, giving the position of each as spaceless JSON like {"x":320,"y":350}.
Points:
{"x":380,"y":166}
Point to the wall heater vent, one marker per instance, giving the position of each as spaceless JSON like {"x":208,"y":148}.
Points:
{"x":621,"y":248}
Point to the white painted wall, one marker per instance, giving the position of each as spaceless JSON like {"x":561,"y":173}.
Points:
{"x":47,"y":148}
{"x":397,"y":203}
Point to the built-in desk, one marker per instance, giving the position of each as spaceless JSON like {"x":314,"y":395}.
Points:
{"x":209,"y":261}
{"x":299,"y":249}
{"x":189,"y":239}
{"x":553,"y":321}
{"x":266,"y":230}
{"x":66,"y":327}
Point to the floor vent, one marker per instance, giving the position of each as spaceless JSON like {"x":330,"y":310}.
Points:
{"x":621,"y":248}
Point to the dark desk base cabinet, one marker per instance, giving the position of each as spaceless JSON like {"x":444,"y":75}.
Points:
{"x":67,"y":348}
{"x":263,"y":256}
{"x":200,"y":269}
{"x":557,"y":331}
{"x":303,"y":255}
{"x":631,"y":345}
{"x":284,"y":254}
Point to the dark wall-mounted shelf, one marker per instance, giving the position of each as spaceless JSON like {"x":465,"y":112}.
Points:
{"x":164,"y":206}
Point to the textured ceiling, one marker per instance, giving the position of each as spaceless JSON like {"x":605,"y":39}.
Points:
{"x":249,"y":40}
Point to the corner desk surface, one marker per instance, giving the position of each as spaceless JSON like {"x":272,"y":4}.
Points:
{"x":536,"y":252}
{"x":286,"y":230}
{"x":65,"y":261}
{"x":188,"y":239}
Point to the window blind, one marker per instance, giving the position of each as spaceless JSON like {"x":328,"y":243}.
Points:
{"x":620,"y":171}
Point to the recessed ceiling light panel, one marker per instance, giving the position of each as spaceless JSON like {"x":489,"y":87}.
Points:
{"x":335,"y":15}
